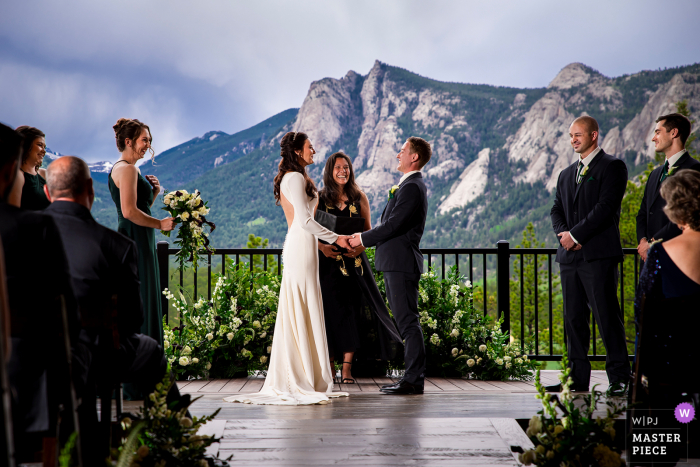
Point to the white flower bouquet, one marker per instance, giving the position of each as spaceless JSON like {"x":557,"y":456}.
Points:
{"x":189,"y":210}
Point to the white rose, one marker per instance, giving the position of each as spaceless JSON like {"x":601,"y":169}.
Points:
{"x":269,"y":349}
{"x":454,"y":333}
{"x":229,"y":336}
{"x":263,"y":335}
{"x":499,"y":361}
{"x":507,"y":365}
{"x":184,"y":361}
{"x":167,"y":199}
{"x":506,"y":358}
{"x":210,"y":336}
{"x":186,"y":350}
{"x":166,"y":345}
{"x":471,"y":362}
{"x":184,"y":216}
{"x":482,"y":348}
{"x":468,"y":284}
{"x":208,"y":365}
{"x":455,"y":352}
{"x":256,"y":324}
{"x":195,"y":360}
{"x":263,"y":359}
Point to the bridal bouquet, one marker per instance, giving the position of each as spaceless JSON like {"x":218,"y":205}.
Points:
{"x":189,"y":210}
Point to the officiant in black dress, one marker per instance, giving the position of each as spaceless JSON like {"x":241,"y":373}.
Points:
{"x":358,"y":325}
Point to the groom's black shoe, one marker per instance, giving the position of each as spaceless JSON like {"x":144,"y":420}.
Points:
{"x":402,"y":387}
{"x":392,"y":384}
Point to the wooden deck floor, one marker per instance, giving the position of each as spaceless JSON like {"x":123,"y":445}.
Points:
{"x":456,"y":422}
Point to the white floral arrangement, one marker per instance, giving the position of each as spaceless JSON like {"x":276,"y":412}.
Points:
{"x":189,"y":210}
{"x":231,"y":334}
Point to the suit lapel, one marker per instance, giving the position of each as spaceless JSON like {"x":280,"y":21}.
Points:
{"x":590,"y":169}
{"x":415,"y":175}
{"x":656,"y":180}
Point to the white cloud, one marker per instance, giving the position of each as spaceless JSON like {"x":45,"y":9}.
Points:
{"x":188,"y":67}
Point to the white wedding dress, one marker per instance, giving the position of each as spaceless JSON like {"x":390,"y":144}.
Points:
{"x":299,"y":372}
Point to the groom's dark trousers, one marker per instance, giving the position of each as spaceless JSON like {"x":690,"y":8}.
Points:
{"x":590,"y":211}
{"x":398,"y":256}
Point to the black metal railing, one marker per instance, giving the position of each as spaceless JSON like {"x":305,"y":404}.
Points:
{"x":476,"y":261}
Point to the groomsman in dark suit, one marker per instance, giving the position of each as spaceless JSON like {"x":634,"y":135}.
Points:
{"x":398,"y":255}
{"x":102,"y":264}
{"x":670,"y":135}
{"x":586,"y":217}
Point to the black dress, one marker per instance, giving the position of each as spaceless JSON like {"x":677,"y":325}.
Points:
{"x":356,"y":316}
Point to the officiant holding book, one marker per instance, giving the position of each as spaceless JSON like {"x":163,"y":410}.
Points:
{"x":358,"y":324}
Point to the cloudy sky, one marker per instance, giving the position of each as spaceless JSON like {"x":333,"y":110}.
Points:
{"x":73,"y":67}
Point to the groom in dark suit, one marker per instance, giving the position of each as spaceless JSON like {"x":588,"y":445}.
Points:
{"x":586,"y":217}
{"x":670,"y":135}
{"x":398,"y":256}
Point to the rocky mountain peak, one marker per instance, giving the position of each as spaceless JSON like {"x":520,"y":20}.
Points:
{"x":573,"y":74}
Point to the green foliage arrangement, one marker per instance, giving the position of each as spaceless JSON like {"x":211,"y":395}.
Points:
{"x":163,"y":436}
{"x":459,"y":340}
{"x":228,"y":336}
{"x":575,"y":438}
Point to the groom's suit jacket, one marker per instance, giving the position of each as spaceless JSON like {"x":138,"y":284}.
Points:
{"x":590,"y":210}
{"x":651,"y":219}
{"x":398,"y":234}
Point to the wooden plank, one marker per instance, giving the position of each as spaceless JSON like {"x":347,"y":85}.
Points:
{"x":254,"y":384}
{"x":367,"y":384}
{"x":234,"y":385}
{"x":213,"y":428}
{"x":512,"y":434}
{"x":214,"y":386}
{"x":429,"y":386}
{"x":464,"y":384}
{"x":195,"y":386}
{"x":487,"y":386}
{"x":182,"y":384}
{"x":381,"y":381}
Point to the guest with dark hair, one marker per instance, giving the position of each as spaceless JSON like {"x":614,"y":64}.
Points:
{"x":670,"y":136}
{"x":33,"y":177}
{"x":102,"y":265}
{"x":37,"y":369}
{"x":352,"y":305}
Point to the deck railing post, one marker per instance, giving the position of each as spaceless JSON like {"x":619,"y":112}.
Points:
{"x":503,"y":283}
{"x":163,"y":270}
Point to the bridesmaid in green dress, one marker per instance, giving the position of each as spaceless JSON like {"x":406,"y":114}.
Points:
{"x":32,"y":177}
{"x":133,"y":194}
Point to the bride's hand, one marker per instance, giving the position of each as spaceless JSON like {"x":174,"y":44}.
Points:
{"x":343,"y":243}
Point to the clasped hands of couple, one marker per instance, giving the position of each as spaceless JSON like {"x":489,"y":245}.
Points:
{"x":349,"y":242}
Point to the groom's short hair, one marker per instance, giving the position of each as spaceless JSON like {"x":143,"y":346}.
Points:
{"x":590,"y":123}
{"x":422,"y":148}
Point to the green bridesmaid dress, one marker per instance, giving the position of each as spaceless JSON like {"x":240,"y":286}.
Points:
{"x":33,"y":196}
{"x":145,"y":238}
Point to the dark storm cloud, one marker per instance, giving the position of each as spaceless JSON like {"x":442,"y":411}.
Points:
{"x":72,"y":68}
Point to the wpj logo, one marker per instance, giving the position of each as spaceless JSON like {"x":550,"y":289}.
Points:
{"x":661,"y":436}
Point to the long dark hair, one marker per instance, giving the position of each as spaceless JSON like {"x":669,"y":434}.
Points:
{"x":291,"y":142}
{"x":331,"y":193}
{"x":30,"y":134}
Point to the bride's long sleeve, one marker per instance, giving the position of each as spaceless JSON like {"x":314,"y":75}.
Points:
{"x":296,"y":194}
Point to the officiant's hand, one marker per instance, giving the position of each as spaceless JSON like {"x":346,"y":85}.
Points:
{"x":328,"y":251}
{"x":358,"y":252}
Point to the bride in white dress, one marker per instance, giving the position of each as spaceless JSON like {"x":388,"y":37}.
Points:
{"x":299,"y":372}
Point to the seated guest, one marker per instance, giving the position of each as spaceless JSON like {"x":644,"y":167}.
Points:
{"x":102,"y":264}
{"x":33,"y":177}
{"x":37,"y":283}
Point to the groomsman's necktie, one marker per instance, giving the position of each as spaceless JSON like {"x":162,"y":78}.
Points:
{"x":664,"y":172}
{"x":578,"y":172}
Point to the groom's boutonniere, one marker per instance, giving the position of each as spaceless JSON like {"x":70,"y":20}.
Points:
{"x":672,"y":170}
{"x":584,"y":171}
{"x":392,"y":191}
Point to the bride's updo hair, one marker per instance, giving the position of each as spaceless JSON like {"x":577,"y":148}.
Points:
{"x":127,"y":128}
{"x":291,"y":142}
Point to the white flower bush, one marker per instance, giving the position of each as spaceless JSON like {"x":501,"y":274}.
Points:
{"x":229,"y":334}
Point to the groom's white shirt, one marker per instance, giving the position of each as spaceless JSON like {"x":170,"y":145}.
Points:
{"x":403,"y":178}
